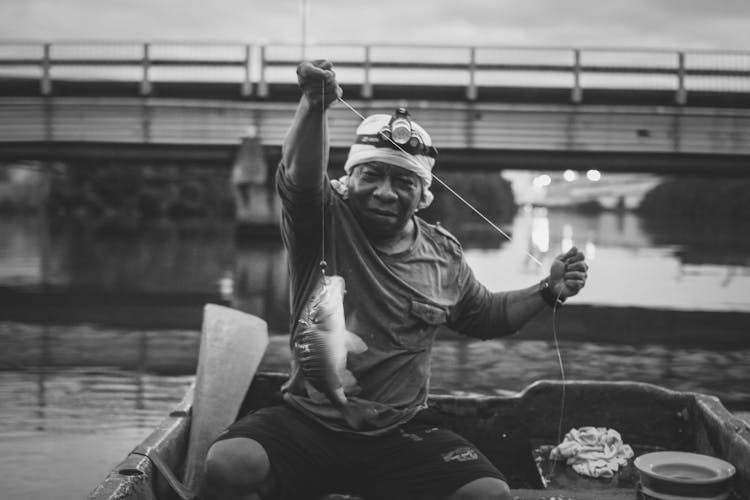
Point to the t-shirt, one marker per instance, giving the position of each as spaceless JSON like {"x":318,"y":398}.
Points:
{"x":394,"y":303}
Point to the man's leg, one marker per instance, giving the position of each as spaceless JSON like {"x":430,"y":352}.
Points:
{"x":274,"y":452}
{"x":420,"y":462}
{"x":486,"y":488}
{"x":237,"y":469}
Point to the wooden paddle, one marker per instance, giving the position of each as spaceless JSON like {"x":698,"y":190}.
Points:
{"x":231,"y":348}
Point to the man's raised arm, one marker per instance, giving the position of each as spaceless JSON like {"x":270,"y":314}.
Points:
{"x":305,"y":148}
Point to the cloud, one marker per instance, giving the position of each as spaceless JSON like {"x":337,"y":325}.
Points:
{"x":673,"y":23}
{"x":659,"y":23}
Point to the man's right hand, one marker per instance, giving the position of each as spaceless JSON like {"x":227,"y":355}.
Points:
{"x":312,"y":76}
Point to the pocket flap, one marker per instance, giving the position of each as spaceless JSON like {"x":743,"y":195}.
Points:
{"x":430,"y":314}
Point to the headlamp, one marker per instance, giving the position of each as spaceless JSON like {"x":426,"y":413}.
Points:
{"x":399,"y":134}
{"x":399,"y":127}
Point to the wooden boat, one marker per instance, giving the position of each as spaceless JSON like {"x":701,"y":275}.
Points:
{"x":648,"y":417}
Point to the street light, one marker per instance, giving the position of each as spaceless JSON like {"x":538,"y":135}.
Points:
{"x":594,"y":175}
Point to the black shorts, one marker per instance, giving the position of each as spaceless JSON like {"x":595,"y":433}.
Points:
{"x":420,"y":460}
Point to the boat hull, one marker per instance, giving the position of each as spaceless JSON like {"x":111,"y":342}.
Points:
{"x":649,"y":418}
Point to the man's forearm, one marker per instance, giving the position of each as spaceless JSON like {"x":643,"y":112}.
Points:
{"x":503,"y":313}
{"x":305,"y":147}
{"x":522,"y":305}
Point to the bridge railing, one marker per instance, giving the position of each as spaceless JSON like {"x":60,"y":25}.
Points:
{"x":253,"y":68}
{"x":144,"y":63}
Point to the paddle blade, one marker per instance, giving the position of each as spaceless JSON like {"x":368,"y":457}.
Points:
{"x":232,"y":345}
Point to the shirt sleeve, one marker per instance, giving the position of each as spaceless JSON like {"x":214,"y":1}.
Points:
{"x":300,"y":208}
{"x":478,"y":313}
{"x":301,"y":212}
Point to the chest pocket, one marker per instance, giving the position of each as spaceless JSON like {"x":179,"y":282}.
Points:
{"x":425,"y":317}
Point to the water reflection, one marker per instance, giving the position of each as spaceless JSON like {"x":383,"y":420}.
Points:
{"x":84,"y":379}
{"x":703,"y":241}
{"x":75,"y":399}
{"x":53,"y":380}
{"x":631,"y":264}
{"x":261,"y":285}
{"x":539,"y":230}
{"x":509,"y":365}
{"x":99,"y":327}
{"x":158,"y":256}
{"x":161,"y":273}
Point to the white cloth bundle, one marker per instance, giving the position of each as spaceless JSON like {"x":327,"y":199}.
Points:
{"x":593,"y":451}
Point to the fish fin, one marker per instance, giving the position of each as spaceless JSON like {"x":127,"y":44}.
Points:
{"x":314,"y":394}
{"x":339,"y":397}
{"x":349,"y":382}
{"x":354,"y":343}
{"x":353,"y":416}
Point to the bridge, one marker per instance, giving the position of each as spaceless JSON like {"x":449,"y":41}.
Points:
{"x":486,"y":107}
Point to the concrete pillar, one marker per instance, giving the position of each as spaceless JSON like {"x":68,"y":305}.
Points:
{"x":471,"y":90}
{"x":256,"y":204}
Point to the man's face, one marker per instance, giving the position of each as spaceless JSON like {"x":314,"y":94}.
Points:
{"x":383,"y":197}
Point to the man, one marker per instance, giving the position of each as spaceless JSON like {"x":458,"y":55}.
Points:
{"x":404,"y":278}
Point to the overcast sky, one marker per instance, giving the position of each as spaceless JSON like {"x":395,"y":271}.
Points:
{"x":682,"y":24}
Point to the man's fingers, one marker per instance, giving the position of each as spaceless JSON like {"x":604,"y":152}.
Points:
{"x":576,"y":266}
{"x":322,"y":63}
{"x":571,"y":253}
{"x":316,"y":77}
{"x":576,"y":257}
{"x":309,"y":72}
{"x":574,"y":285}
{"x":574,"y":275}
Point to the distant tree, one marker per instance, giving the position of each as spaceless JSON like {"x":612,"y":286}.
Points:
{"x":698,"y":197}
{"x":489,"y":193}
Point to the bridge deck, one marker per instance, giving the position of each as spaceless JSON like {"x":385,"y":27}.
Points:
{"x":476,"y":135}
{"x":486,"y":107}
{"x":284,"y":92}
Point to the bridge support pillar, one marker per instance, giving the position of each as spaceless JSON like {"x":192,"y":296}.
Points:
{"x":256,"y":203}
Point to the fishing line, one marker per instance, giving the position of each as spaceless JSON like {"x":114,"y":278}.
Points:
{"x":454,"y":193}
{"x":323,"y":263}
{"x":494,"y":226}
{"x":562,"y":376}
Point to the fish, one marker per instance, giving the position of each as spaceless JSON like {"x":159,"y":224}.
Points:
{"x":322,"y":347}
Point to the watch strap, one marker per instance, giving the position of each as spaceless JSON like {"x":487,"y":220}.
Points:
{"x":550,"y":298}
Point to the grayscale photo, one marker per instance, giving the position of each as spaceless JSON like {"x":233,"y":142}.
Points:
{"x":330,"y":250}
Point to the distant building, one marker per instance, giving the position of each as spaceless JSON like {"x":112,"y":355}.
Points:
{"x":565,"y":189}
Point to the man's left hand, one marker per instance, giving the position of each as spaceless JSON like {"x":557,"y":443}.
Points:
{"x":568,"y":273}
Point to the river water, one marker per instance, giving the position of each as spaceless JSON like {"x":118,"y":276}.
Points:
{"x":99,"y":327}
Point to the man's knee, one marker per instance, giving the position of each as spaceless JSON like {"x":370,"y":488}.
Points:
{"x":236,"y":467}
{"x":486,"y":488}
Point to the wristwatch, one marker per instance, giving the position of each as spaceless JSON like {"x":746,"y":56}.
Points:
{"x":548,"y":295}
